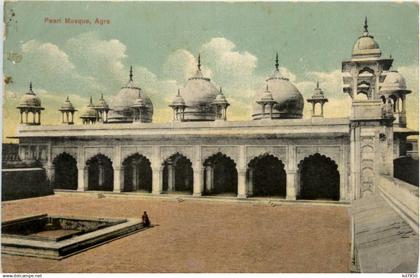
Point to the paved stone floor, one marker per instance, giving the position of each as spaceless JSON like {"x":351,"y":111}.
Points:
{"x":198,"y":236}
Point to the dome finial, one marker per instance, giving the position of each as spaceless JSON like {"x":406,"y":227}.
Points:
{"x":67,"y":99}
{"x":102,"y":96}
{"x":179,"y":92}
{"x":131,"y":73}
{"x":366,"y":25}
{"x":221,"y":91}
{"x":199,"y":62}
{"x":266,"y":87}
{"x":91,"y":102}
{"x":317,"y":84}
{"x":30,"y":86}
{"x":277,"y":61}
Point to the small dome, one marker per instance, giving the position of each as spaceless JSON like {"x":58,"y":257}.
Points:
{"x":121,"y":104}
{"x":89,"y":111}
{"x":178,"y":100}
{"x":30,"y":100}
{"x":220,"y":99}
{"x":394,"y":82}
{"x":318,"y":93}
{"x":102,"y":103}
{"x":365,"y":45}
{"x":288,"y":101}
{"x":67,"y":106}
{"x":266,"y":97}
{"x":139,"y":102}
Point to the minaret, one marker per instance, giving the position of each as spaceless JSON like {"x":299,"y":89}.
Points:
{"x":363,"y":73}
{"x":317,"y":97}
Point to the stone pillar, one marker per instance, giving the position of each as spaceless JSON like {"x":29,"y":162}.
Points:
{"x":209,"y":178}
{"x":82,"y":179}
{"x":157,"y":180}
{"x":135,"y":180}
{"x":118,"y":182}
{"x":241,"y":167}
{"x":242,"y":188}
{"x":171,"y":177}
{"x":291,"y":185}
{"x":250,"y":181}
{"x":51,"y":173}
{"x":198,"y":181}
{"x":101,"y":176}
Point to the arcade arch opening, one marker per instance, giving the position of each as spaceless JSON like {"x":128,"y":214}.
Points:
{"x":65,"y":172}
{"x":178,"y":174}
{"x":221,"y":176}
{"x":137,"y":173}
{"x":266,"y":176}
{"x":100,"y":173}
{"x":319,"y":178}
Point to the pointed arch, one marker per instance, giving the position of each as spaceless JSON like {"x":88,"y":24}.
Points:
{"x":178,"y":174}
{"x":319,"y":178}
{"x":137,"y":173}
{"x":266,"y":176}
{"x":65,"y":172}
{"x":221,"y":175}
{"x":100,"y":173}
{"x":367,"y":70}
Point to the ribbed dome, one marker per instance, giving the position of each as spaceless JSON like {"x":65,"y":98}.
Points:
{"x":89,"y":111}
{"x":121,"y":103}
{"x":394,"y":82}
{"x":67,"y":106}
{"x":199,"y":93}
{"x":30,"y":100}
{"x":288,"y":101}
{"x":365,"y":45}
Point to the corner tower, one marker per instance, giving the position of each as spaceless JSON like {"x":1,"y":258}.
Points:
{"x":364,"y":72}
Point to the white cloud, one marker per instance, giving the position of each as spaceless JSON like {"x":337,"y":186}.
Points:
{"x":102,"y":59}
{"x":51,"y":67}
{"x":231,"y":68}
{"x":181,"y":65}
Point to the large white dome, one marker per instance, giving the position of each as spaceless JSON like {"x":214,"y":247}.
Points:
{"x":199,"y":94}
{"x":122,"y":102}
{"x":288,"y":101}
{"x":366,"y":46}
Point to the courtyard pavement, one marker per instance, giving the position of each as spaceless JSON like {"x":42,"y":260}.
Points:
{"x":198,"y":236}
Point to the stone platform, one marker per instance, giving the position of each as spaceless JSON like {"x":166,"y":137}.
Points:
{"x":57,"y":237}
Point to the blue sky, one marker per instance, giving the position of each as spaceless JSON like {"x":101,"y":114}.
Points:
{"x":238,"y":42}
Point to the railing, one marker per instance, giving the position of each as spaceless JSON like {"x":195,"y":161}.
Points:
{"x":403,"y":198}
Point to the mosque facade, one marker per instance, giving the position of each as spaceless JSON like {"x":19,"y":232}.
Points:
{"x":200,"y":152}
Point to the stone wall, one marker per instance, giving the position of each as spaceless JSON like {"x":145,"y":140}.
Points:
{"x":20,"y":183}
